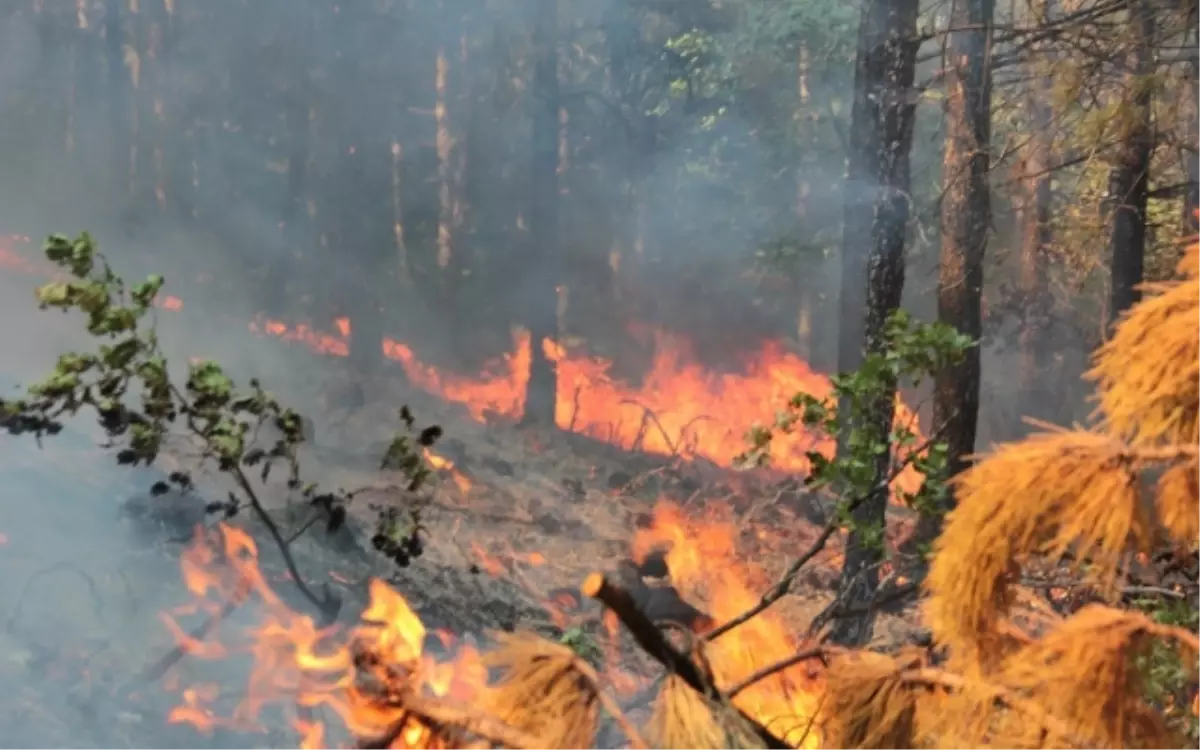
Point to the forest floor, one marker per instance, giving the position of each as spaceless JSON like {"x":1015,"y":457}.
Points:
{"x":544,"y":508}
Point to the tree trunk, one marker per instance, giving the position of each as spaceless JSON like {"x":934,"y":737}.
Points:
{"x":1130,"y":176}
{"x":1191,"y":198}
{"x":1035,"y":379}
{"x":966,"y":217}
{"x":877,"y":184}
{"x":541,"y":313}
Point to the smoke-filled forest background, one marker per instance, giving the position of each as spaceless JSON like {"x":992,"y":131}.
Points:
{"x":713,"y":302}
{"x":378,"y":161}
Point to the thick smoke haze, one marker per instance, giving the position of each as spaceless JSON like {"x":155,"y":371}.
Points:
{"x":179,"y":143}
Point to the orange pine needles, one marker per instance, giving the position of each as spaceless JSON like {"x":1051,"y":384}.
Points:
{"x":1080,"y":495}
{"x":1046,"y":495}
{"x":1148,"y":373}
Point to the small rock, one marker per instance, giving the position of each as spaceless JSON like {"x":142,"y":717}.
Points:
{"x":619,"y":479}
{"x":548,"y":523}
{"x":567,"y":600}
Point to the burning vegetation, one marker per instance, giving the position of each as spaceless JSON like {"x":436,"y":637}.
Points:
{"x":650,"y":268}
{"x":724,"y":667}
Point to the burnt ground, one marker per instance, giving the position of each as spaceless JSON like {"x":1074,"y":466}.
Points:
{"x":577,"y":501}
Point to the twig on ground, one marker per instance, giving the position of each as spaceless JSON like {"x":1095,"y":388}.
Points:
{"x":574,"y":408}
{"x":159,"y":668}
{"x":652,"y":641}
{"x":648,"y":413}
{"x":307,"y":525}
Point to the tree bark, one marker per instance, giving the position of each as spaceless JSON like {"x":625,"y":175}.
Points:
{"x":877,"y":185}
{"x":1129,"y":179}
{"x":1191,"y":199}
{"x":541,"y":313}
{"x":965,"y":220}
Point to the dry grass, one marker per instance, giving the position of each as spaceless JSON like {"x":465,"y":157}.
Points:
{"x":543,"y":692}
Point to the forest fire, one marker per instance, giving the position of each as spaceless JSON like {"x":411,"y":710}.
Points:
{"x":361,"y":678}
{"x":297,"y":663}
{"x":679,"y":409}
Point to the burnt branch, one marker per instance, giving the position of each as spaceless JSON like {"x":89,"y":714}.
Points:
{"x":654,"y":643}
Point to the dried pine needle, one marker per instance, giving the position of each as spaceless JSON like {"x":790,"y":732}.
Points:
{"x":1047,"y":494}
{"x":868,"y":703}
{"x":684,"y":719}
{"x":543,"y":692}
{"x":1178,"y":502}
{"x":1083,"y":673}
{"x":1189,"y":264}
{"x":1148,"y":373}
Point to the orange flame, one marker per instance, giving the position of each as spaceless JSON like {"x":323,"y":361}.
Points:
{"x":706,"y":570}
{"x":680,"y":408}
{"x":446,"y":466}
{"x":349,"y":675}
{"x":294,"y":661}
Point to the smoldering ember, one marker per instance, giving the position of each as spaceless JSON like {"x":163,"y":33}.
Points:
{"x":599,"y":373}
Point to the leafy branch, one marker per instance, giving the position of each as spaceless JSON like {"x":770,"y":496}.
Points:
{"x":915,"y":351}
{"x":126,"y":383}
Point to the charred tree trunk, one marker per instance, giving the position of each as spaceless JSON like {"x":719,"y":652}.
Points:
{"x":877,"y":184}
{"x":1191,"y":198}
{"x":1034,"y":374}
{"x":1129,"y":179}
{"x":966,"y":217}
{"x":541,"y":314}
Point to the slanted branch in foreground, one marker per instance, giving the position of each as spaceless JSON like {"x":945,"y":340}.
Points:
{"x":653,"y":642}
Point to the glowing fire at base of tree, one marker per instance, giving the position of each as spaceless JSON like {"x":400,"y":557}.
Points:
{"x":363,"y":681}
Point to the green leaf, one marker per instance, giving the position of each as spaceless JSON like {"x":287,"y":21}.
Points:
{"x":55,"y":294}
